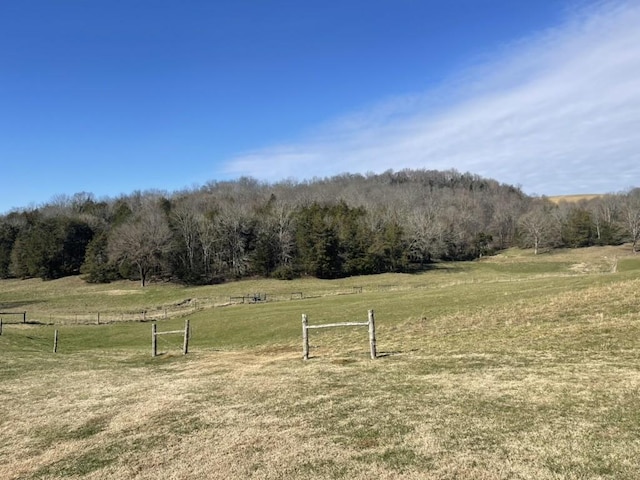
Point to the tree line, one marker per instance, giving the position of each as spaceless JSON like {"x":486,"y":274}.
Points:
{"x":333,"y":227}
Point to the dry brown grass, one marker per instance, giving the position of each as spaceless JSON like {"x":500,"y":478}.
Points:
{"x":241,"y":415}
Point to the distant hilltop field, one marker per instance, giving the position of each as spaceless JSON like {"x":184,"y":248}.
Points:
{"x":574,"y":198}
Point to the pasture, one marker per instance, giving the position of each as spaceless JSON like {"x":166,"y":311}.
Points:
{"x":511,"y":367}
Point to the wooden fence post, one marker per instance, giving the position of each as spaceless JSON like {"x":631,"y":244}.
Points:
{"x":154,"y":341}
{"x":55,"y":341}
{"x":305,"y":337}
{"x":24,"y":317}
{"x":372,"y":334}
{"x":98,"y":318}
{"x":0,"y":326}
{"x":185,"y":347}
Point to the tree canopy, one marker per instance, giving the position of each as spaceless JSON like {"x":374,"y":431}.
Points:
{"x":345,"y":225}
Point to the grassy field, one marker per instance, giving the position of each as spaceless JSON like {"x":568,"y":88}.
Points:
{"x":511,"y":367}
{"x":573,"y":198}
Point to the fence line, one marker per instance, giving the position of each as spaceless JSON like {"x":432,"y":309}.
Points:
{"x":250,"y":298}
{"x":24,"y":315}
{"x":176,"y":310}
{"x":369,"y":323}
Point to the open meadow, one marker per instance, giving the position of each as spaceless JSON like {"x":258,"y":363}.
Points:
{"x":511,"y":367}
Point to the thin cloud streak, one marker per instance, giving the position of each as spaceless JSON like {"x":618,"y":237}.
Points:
{"x":557,"y":113}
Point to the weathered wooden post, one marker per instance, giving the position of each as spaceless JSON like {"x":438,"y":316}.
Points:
{"x":0,"y":326}
{"x":154,"y":341}
{"x":24,"y":317}
{"x":185,"y":347}
{"x":372,"y":334}
{"x":98,"y":318}
{"x":305,"y":337}
{"x":55,"y":341}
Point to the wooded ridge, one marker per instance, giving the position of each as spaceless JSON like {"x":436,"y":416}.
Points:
{"x":349,"y":224}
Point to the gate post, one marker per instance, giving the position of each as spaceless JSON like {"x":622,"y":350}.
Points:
{"x":185,"y":348}
{"x":305,"y":337}
{"x":372,"y":334}
{"x":154,"y":341}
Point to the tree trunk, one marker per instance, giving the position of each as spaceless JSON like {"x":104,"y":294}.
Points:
{"x":143,"y":275}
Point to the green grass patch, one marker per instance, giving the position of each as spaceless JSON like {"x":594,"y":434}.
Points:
{"x":629,"y":265}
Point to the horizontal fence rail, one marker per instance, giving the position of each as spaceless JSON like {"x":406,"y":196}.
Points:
{"x":344,"y":324}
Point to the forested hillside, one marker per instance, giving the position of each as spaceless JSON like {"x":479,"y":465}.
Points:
{"x":328,"y":228}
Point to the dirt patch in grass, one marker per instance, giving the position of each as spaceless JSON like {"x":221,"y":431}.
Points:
{"x":123,"y":292}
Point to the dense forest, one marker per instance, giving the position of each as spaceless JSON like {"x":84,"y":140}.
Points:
{"x":345,"y":225}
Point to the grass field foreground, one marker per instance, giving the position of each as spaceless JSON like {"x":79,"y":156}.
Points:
{"x":514,"y":366}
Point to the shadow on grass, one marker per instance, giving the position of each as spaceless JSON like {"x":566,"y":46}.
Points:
{"x":21,"y":304}
{"x":345,"y":360}
{"x":393,"y":353}
{"x":417,"y":269}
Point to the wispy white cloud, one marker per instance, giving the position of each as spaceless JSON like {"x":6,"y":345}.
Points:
{"x":557,"y":113}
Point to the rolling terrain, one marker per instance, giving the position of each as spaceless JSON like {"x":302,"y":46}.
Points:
{"x":512,"y":366}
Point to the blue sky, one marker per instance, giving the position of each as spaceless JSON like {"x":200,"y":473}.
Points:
{"x":112,"y":96}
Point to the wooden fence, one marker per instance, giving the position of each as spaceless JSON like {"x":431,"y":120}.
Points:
{"x":369,"y":323}
{"x":55,"y":336}
{"x":22,"y":314}
{"x":155,"y":333}
{"x":250,"y":298}
{"x":175,"y":310}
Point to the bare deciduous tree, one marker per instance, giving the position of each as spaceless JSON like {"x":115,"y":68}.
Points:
{"x":630,"y":208}
{"x":185,"y":219}
{"x":142,"y":241}
{"x":537,"y":228}
{"x":424,"y":233}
